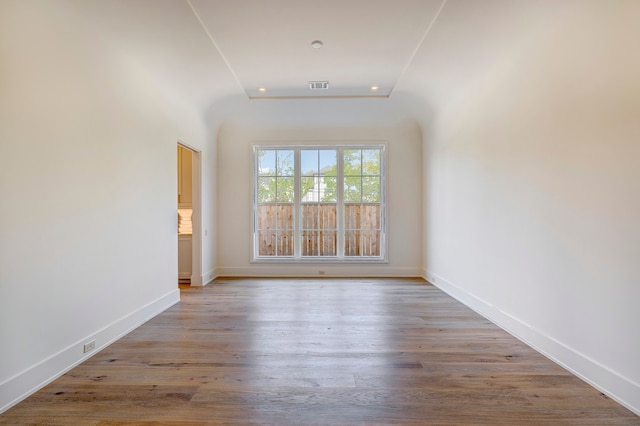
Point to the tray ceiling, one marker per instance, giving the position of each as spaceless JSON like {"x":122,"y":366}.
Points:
{"x":366,"y":43}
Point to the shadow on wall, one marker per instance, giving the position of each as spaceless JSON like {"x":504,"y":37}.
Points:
{"x":401,"y":108}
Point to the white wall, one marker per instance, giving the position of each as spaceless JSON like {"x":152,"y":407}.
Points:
{"x":533,"y":197}
{"x":319,"y":122}
{"x":88,"y":244}
{"x":530,"y":193}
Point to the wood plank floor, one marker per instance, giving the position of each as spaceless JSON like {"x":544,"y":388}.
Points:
{"x":357,"y":351}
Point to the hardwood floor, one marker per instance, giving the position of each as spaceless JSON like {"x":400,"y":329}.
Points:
{"x":319,"y":351}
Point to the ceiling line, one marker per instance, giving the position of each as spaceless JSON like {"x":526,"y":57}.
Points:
{"x":424,"y":37}
{"x":215,"y":45}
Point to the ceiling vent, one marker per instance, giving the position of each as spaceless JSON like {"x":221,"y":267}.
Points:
{"x":318,"y":85}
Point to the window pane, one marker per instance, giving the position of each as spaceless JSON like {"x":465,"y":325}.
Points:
{"x":329,"y":191}
{"x":309,"y":162}
{"x":318,"y":216}
{"x":266,"y":162}
{"x":352,"y":216}
{"x":329,"y":243}
{"x":352,"y":189}
{"x":328,"y":162}
{"x":284,"y":243}
{"x":275,"y":243}
{"x":309,"y":189}
{"x":266,"y":189}
{"x":352,"y":162}
{"x":371,"y":162}
{"x":362,"y":216}
{"x":285,"y":189}
{"x":267,"y":216}
{"x":319,"y":224}
{"x":266,"y":243}
{"x":285,"y":163}
{"x":328,"y":216}
{"x":319,"y":243}
{"x":370,"y":243}
{"x":284,"y":216}
{"x":352,"y":243}
{"x":310,"y":243}
{"x":362,"y":243}
{"x":309,"y":215}
{"x":371,"y":189}
{"x":369,"y":216}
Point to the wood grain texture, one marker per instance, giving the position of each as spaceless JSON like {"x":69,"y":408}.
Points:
{"x":318,"y":351}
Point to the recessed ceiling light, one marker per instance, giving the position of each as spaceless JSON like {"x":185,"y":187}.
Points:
{"x":317,"y":44}
{"x":262,"y":89}
{"x":375,"y":88}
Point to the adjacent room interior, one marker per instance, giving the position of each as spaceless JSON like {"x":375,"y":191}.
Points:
{"x":488,"y":149}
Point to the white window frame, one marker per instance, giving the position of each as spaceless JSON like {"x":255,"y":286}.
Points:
{"x":340,"y":257}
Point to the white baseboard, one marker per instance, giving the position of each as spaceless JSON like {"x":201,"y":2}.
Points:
{"x":19,"y":387}
{"x":423,"y":273}
{"x":209,"y":276}
{"x":617,"y":387}
{"x":318,"y":270}
{"x":196,"y":281}
{"x":204,"y":279}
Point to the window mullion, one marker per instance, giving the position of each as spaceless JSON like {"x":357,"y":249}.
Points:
{"x":340,"y":202}
{"x":318,"y":231}
{"x":360,"y":233}
{"x":256,"y":233}
{"x":297,"y":234}
{"x":383,"y":202}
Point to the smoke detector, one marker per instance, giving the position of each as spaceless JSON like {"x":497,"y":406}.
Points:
{"x":318,"y":85}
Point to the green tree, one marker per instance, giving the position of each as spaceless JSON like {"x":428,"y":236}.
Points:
{"x":276,"y":179}
{"x":361,"y":171}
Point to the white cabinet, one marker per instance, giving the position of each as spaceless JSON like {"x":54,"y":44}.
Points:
{"x":184,"y":177}
{"x":184,"y":257}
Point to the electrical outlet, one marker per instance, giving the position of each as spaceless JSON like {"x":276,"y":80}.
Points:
{"x":89,"y":346}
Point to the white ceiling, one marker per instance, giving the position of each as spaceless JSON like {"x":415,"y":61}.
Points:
{"x":215,"y":52}
{"x":268,"y":43}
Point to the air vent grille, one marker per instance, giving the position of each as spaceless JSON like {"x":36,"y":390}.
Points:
{"x":318,"y":85}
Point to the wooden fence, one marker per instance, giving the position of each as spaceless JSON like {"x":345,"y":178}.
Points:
{"x":362,"y":229}
{"x":318,"y":223}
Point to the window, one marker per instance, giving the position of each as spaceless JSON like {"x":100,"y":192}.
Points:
{"x":319,"y":203}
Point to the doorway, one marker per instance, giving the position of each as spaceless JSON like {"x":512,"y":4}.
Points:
{"x":188,"y":205}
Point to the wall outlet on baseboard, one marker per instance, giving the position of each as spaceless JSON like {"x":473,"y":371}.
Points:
{"x":89,"y":346}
